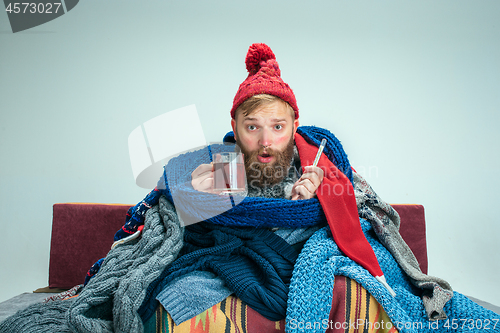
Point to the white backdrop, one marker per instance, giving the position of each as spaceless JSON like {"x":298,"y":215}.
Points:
{"x":410,"y":88}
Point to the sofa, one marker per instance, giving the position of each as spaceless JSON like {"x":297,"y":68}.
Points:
{"x":82,"y":233}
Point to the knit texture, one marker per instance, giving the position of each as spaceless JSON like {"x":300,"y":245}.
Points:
{"x":385,"y":221}
{"x":39,"y":318}
{"x":295,"y":236}
{"x":264,"y":77}
{"x":110,"y":300}
{"x":311,"y":289}
{"x":191,"y":294}
{"x":64,"y":295}
{"x":254,"y":263}
{"x":310,"y":293}
{"x":264,"y":212}
{"x":336,"y":195}
{"x":194,"y":206}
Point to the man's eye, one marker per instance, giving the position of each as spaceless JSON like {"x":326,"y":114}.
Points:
{"x":278,"y":127}
{"x":251,"y":127}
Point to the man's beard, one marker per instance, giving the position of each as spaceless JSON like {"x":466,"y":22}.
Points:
{"x":267,"y":174}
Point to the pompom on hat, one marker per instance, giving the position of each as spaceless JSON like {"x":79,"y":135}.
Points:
{"x":264,"y":77}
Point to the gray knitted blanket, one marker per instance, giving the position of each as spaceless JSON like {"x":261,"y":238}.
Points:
{"x":110,"y":300}
{"x":385,"y":221}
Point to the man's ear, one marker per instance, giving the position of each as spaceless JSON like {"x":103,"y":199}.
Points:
{"x":295,"y":125}
{"x":233,"y":125}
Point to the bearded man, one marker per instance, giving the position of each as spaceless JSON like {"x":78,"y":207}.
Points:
{"x":264,"y":127}
{"x":264,"y":118}
{"x":265,"y":124}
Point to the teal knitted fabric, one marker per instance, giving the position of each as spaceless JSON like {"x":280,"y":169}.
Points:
{"x":310,"y":295}
{"x":191,"y":294}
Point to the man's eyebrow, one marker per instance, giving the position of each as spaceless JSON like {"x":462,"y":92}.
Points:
{"x":276,"y":120}
{"x":249,"y":118}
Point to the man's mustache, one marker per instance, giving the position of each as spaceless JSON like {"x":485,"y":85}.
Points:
{"x":251,"y":157}
{"x":268,"y":151}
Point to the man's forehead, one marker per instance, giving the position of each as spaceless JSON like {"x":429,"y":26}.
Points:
{"x":275,"y":111}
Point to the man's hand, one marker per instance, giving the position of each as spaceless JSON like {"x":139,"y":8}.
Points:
{"x":202,"y":178}
{"x":306,"y":186}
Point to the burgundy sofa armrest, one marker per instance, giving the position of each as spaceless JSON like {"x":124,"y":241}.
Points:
{"x":82,"y":233}
{"x":412,"y":229}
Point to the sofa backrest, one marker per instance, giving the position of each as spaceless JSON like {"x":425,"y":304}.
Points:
{"x":82,"y":233}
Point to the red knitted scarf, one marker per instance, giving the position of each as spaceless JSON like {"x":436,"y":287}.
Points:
{"x":336,"y":195}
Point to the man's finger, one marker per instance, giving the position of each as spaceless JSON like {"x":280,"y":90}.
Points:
{"x":207,"y":184}
{"x":307,"y":184}
{"x":202,"y":178}
{"x":315,"y":172}
{"x":201,"y":170}
{"x":203,"y":184}
{"x":301,"y":192}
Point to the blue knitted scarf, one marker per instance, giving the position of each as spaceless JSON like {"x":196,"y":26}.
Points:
{"x":194,"y":206}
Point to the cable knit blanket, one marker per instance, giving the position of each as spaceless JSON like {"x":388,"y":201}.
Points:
{"x":109,"y":302}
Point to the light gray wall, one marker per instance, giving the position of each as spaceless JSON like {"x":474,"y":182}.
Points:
{"x":410,"y":88}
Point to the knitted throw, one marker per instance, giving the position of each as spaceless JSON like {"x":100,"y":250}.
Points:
{"x":110,"y":300}
{"x":311,"y":289}
{"x":385,"y":222}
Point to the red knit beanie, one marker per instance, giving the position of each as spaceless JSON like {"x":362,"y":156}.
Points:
{"x":264,"y":77}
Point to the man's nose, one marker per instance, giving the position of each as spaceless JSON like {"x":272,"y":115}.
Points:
{"x":266,"y":138}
